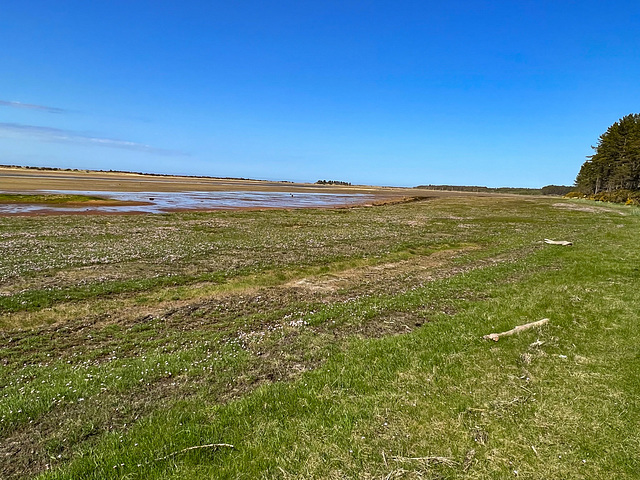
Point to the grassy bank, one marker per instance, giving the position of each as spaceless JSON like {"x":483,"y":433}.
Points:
{"x":45,"y":198}
{"x":322,"y":344}
{"x":60,"y":199}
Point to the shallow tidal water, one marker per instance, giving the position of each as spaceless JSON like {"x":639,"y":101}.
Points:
{"x":163,"y":202}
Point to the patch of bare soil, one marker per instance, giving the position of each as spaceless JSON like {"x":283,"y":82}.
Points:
{"x":584,"y":208}
{"x":417,"y":267}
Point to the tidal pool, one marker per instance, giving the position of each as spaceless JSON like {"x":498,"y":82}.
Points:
{"x":163,"y":202}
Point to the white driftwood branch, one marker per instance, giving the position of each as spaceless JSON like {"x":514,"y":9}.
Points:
{"x":558,"y":242}
{"x":211,"y":445}
{"x":496,"y":336}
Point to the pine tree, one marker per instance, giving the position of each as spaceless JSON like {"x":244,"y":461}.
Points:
{"x":616,"y":162}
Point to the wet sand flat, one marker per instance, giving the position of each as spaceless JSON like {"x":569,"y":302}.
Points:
{"x":165,"y":202}
{"x":141,"y":193}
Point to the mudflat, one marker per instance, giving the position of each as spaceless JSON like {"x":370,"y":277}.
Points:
{"x":34,"y":191}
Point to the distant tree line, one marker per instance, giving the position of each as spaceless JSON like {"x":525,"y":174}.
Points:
{"x":27,"y":167}
{"x":555,"y":190}
{"x":332,"y":182}
{"x":57,"y":169}
{"x":616,"y":162}
{"x":546,"y":190}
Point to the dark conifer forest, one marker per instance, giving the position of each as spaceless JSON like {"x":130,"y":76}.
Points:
{"x":616,"y":162}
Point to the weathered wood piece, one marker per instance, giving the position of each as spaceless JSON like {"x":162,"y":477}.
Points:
{"x":496,"y":336}
{"x":558,"y":242}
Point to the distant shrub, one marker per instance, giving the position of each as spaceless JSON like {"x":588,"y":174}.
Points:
{"x":628,"y":197}
{"x":546,"y":190}
{"x":332,"y":182}
{"x":555,"y":190}
{"x":575,"y":194}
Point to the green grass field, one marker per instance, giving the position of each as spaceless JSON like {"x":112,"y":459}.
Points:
{"x":323,"y":343}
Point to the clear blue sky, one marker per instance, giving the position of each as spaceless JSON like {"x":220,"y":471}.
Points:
{"x":497,"y":93}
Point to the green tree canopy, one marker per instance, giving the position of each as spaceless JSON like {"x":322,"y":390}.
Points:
{"x":616,"y":163}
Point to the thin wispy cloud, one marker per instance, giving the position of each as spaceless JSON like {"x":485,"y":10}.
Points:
{"x":50,"y":134}
{"x":31,"y":106}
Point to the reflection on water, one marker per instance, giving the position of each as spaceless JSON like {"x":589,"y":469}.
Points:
{"x":160,"y":202}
